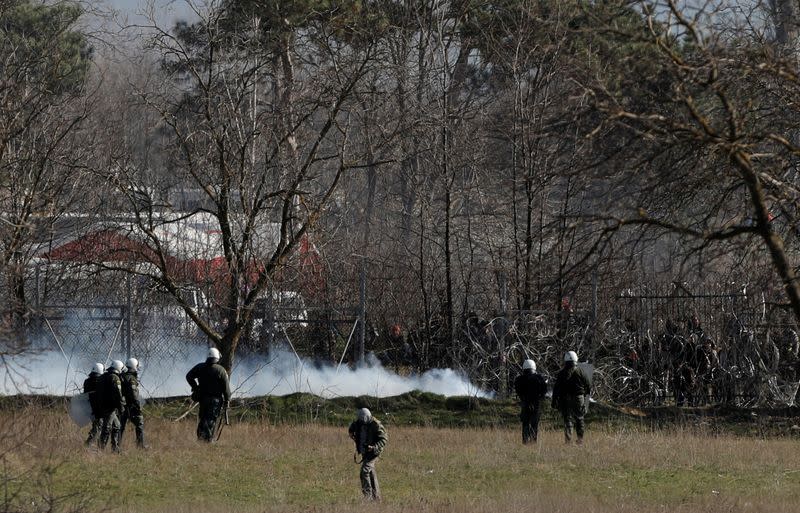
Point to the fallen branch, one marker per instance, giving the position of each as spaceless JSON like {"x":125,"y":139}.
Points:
{"x":187,"y":412}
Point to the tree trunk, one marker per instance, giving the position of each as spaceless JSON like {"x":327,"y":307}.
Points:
{"x":19,"y":303}
{"x":227,"y":347}
{"x":362,"y":273}
{"x":786,"y":23}
{"x":773,"y":240}
{"x":448,"y":272}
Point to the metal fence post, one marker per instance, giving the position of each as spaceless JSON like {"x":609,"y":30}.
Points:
{"x":359,"y":348}
{"x":593,"y":320}
{"x":128,"y":315}
{"x":501,"y":339}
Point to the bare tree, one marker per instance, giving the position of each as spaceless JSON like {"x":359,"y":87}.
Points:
{"x":714,"y":128}
{"x":43,"y":150}
{"x":265,"y":146}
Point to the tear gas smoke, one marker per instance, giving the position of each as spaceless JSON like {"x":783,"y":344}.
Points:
{"x":280,"y":372}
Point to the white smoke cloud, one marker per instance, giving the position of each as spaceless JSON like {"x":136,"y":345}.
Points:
{"x":281,"y":372}
{"x":285,"y":373}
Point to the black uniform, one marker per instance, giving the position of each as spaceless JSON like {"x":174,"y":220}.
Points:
{"x":111,"y":404}
{"x":531,"y":389}
{"x":90,"y":387}
{"x":210,"y":388}
{"x":133,"y":406}
{"x":568,"y":397}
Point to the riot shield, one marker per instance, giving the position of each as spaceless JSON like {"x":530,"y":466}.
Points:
{"x":80,"y":411}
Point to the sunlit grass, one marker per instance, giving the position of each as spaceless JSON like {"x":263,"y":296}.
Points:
{"x":259,"y":467}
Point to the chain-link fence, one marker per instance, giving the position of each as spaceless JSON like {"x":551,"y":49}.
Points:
{"x":648,"y":347}
{"x":695,"y":349}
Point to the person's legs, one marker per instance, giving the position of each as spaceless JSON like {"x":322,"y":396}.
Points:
{"x":566,"y":414}
{"x":123,"y":421}
{"x":115,"y":431}
{"x":526,"y":416}
{"x":105,"y":431}
{"x":209,"y":412}
{"x":579,"y":409}
{"x":534,"y":423}
{"x":138,"y":422}
{"x":369,"y":480}
{"x":97,"y":425}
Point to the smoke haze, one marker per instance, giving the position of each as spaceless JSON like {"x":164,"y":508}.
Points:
{"x":281,"y":372}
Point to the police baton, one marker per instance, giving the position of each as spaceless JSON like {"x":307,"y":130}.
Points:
{"x":223,"y":424}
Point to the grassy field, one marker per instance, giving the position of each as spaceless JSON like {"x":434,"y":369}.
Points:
{"x":423,"y":409}
{"x":261,"y":466}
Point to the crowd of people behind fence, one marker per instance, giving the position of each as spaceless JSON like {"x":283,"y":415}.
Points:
{"x":679,"y":361}
{"x":735,"y":367}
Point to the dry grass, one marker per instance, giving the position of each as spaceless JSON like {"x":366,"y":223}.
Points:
{"x":259,"y":467}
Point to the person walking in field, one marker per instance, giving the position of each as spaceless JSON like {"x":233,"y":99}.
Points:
{"x":569,"y":391}
{"x":90,"y":387}
{"x":133,"y":405}
{"x":111,"y":404}
{"x":531,"y":388}
{"x":369,"y":436}
{"x":211,"y":388}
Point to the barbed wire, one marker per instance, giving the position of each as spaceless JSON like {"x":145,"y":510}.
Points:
{"x":642,"y":354}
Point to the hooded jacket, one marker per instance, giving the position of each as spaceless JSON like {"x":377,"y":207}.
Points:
{"x":369,"y":433}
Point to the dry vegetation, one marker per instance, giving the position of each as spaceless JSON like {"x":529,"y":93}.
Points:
{"x":258,"y":467}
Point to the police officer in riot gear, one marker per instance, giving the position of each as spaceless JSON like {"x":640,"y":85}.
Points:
{"x":90,"y":387}
{"x":531,"y":388}
{"x":132,"y":412}
{"x":211,"y":388}
{"x":569,"y":392}
{"x":111,"y":404}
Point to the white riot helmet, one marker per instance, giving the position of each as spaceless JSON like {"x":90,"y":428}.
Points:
{"x":214,"y":353}
{"x":98,"y":368}
{"x":117,"y":365}
{"x":132,"y":364}
{"x":364,"y":415}
{"x":529,"y":364}
{"x":571,"y":356}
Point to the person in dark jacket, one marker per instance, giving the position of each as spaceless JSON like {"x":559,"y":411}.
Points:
{"x":90,"y":387}
{"x":569,"y":393}
{"x":211,"y":388}
{"x":369,"y":436}
{"x":111,"y":404}
{"x":531,"y":389}
{"x":133,"y":405}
